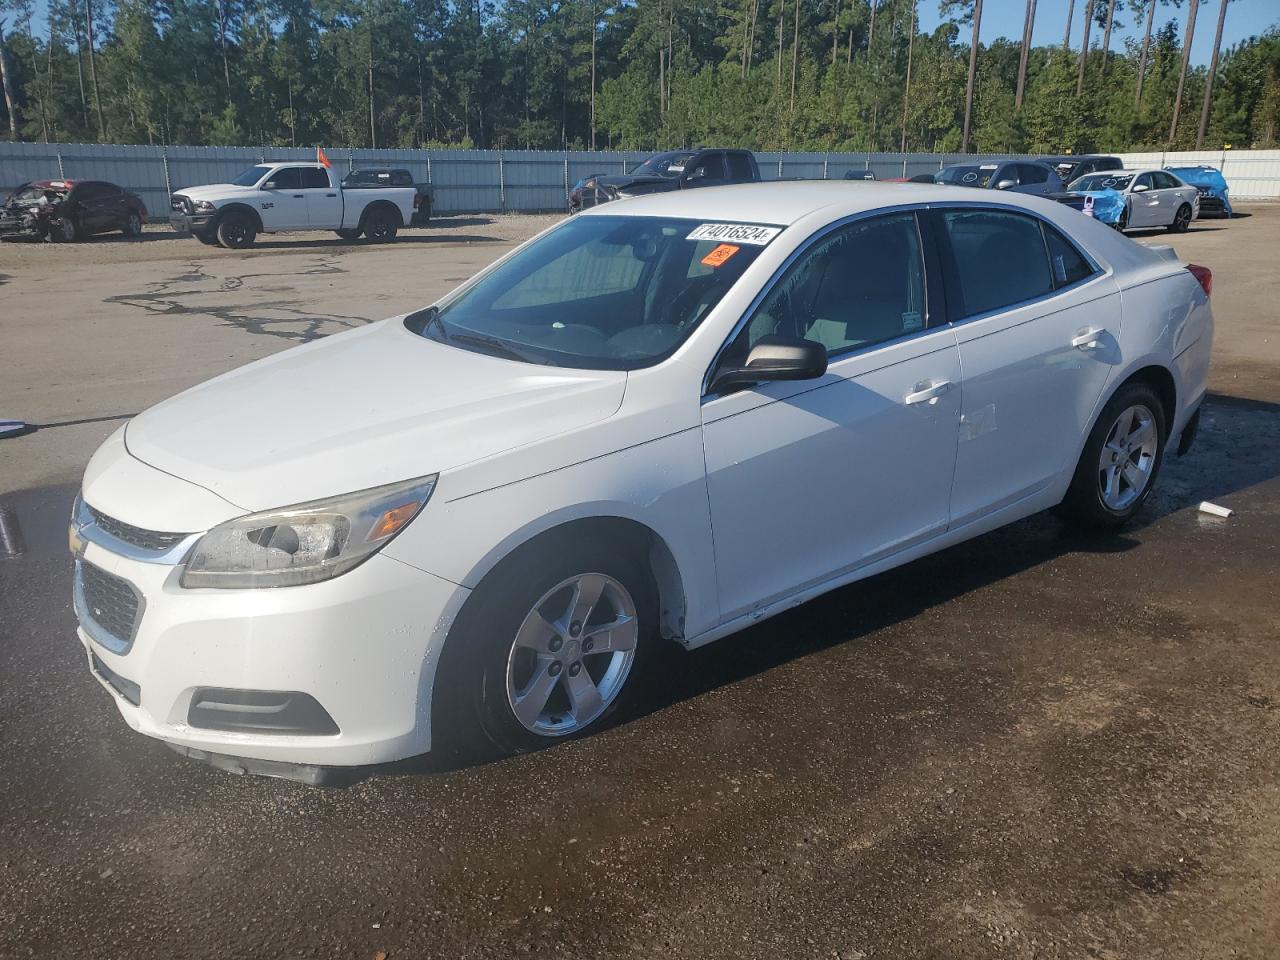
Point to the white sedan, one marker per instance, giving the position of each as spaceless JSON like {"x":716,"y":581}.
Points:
{"x":1152,"y":198}
{"x":668,"y":417}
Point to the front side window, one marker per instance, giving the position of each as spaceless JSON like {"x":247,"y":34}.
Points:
{"x":706,"y":167}
{"x":286,"y":178}
{"x":1000,"y":258}
{"x":967,"y":176}
{"x":1030,"y":173}
{"x":664,"y":164}
{"x":1144,"y":182}
{"x":599,"y":292}
{"x":862,"y":285}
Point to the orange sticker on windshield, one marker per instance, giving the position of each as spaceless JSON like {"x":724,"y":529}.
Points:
{"x":720,"y":255}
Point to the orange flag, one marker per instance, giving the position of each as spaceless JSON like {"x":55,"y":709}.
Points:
{"x":322,"y":159}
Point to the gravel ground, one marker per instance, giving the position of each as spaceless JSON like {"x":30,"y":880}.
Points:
{"x":1032,"y":745}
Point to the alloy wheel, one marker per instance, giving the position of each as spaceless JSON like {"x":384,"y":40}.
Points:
{"x":571,"y":655}
{"x":1128,"y":458}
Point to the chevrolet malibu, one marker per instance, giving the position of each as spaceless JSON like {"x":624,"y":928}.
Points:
{"x":667,"y":418}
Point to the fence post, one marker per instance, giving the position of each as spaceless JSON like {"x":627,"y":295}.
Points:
{"x":566,"y":173}
{"x":624,"y":166}
{"x":61,"y":174}
{"x":502,"y":184}
{"x":164,"y":159}
{"x":904,"y":168}
{"x":825,"y":160}
{"x":429,"y":180}
{"x":779,"y":168}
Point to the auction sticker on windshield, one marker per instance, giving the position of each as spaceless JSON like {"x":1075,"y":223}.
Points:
{"x":753,"y":234}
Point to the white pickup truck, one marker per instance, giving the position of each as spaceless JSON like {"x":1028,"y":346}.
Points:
{"x":273,"y":197}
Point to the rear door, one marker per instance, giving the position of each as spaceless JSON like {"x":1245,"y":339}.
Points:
{"x":324,"y":202}
{"x":1172,"y":195}
{"x":1037,"y":325}
{"x":283,"y":205}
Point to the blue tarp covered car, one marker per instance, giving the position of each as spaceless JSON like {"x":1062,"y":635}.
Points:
{"x":1108,"y":204}
{"x":1211,"y":184}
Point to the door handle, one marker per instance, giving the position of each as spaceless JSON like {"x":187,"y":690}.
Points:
{"x":299,"y":196}
{"x":927,"y":391}
{"x":330,"y":194}
{"x":1088,"y":340}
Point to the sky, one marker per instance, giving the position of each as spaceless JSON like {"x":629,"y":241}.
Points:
{"x":1003,"y":18}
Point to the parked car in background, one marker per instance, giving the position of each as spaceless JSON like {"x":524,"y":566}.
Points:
{"x":575,"y":192}
{"x":1210,"y":184}
{"x":466,"y":529}
{"x":394,"y":177}
{"x":1151,"y":198}
{"x":1019,"y":176}
{"x":65,"y":210}
{"x":1070,"y":168}
{"x":673,"y":170}
{"x":273,"y":197}
{"x":859,"y":175}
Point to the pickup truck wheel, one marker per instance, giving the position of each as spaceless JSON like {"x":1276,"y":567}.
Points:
{"x":381,"y":227}
{"x":348,"y":234}
{"x":236,"y":231}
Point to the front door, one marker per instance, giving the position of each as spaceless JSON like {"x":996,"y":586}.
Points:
{"x":282,"y":204}
{"x":1144,"y":203}
{"x":808,"y":480}
{"x":1037,"y":325}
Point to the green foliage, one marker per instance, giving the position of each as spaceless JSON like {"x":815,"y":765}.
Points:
{"x":768,"y":74}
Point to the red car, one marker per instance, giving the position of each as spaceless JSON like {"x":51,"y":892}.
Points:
{"x":65,"y":210}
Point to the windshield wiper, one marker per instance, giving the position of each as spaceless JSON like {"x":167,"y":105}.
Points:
{"x":495,"y":346}
{"x":421,"y":322}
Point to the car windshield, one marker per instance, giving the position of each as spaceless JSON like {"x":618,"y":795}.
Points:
{"x":250,"y":177}
{"x":966,"y":176}
{"x":598,"y":292}
{"x":31,"y":195}
{"x":1102,"y":181}
{"x":665,"y":164}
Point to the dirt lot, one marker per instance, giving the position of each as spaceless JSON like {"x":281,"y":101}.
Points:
{"x":1031,"y":746}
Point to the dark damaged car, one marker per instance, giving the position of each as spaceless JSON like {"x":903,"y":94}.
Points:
{"x":62,"y":211}
{"x":663,"y":172}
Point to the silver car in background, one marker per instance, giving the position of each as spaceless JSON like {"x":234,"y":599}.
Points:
{"x":1153,"y":198}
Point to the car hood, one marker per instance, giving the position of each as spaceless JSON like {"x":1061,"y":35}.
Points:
{"x":218,"y":191}
{"x":650,"y":183}
{"x":364,"y":408}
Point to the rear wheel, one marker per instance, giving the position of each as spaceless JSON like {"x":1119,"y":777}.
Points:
{"x":236,"y":231}
{"x":348,"y":234}
{"x":381,"y":226}
{"x":132,"y":224}
{"x":1120,"y":461}
{"x":545,"y":651}
{"x":1181,"y":220}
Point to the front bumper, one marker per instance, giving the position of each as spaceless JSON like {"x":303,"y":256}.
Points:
{"x":22,"y":228}
{"x":363,"y":645}
{"x":190,"y":222}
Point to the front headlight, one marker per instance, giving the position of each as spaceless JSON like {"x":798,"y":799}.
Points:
{"x":204,"y":206}
{"x":305,"y":543}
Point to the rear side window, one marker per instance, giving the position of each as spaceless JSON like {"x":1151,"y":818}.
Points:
{"x":315,"y":179}
{"x":1000,"y":258}
{"x":1067,"y":263}
{"x":739,"y":166}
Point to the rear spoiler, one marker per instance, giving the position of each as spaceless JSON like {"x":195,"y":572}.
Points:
{"x":1165,"y":252}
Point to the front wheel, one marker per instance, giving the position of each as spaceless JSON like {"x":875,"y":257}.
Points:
{"x":545,"y":651}
{"x":1123,"y":223}
{"x":1181,"y":220}
{"x":1120,"y":461}
{"x":63,"y":230}
{"x":236,"y":231}
{"x":132,"y":225}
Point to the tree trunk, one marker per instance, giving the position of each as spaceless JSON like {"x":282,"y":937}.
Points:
{"x":1208,"y":82}
{"x":1186,"y":60}
{"x":906,"y":87}
{"x":751,"y":39}
{"x":871,"y":32}
{"x":1106,"y":37}
{"x":782,"y":19}
{"x":835,"y":31}
{"x":1028,"y":25}
{"x":84,"y":99}
{"x":594,"y":32}
{"x":795,"y":55}
{"x":48,"y":79}
{"x":6,"y":81}
{"x":1146,"y":46}
{"x":222,"y":43}
{"x":1066,"y":37}
{"x":373,"y":127}
{"x":93,"y":69}
{"x":1084,"y":48}
{"x":973,"y":69}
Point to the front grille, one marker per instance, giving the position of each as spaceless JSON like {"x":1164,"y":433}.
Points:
{"x":156,"y":540}
{"x":181,"y":204}
{"x":109,"y":601}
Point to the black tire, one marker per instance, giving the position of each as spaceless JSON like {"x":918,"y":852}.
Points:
{"x":1084,"y":505}
{"x":1181,"y":220}
{"x":208,"y":239}
{"x":472,"y":717}
{"x":348,"y":234}
{"x":63,"y":230}
{"x":1123,"y":223}
{"x":381,"y":226}
{"x":132,"y":224}
{"x":236,"y":231}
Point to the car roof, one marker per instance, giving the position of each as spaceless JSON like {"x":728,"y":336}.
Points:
{"x":52,"y":184}
{"x":785,"y":202}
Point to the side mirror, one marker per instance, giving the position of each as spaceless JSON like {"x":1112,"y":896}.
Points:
{"x":1006,"y":184}
{"x":775,"y":358}
{"x":269,"y":185}
{"x":1140,"y":188}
